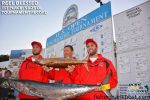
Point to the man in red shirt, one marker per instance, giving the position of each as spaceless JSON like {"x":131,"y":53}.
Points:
{"x":32,"y":71}
{"x":98,"y":69}
{"x":62,"y":74}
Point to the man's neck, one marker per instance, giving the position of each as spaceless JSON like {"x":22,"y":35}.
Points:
{"x":68,"y":57}
{"x":36,"y":56}
{"x":94,"y":56}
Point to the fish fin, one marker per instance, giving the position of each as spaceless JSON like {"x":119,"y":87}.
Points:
{"x":108,"y":93}
{"x":59,"y":82}
{"x":53,"y":56}
{"x":85,"y":59}
{"x":86,"y":67}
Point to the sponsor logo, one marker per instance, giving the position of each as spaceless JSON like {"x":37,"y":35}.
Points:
{"x":138,"y":88}
{"x":96,"y":28}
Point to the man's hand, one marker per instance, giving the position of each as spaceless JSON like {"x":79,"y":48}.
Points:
{"x":71,"y":68}
{"x":103,"y":87}
{"x":98,"y":88}
{"x":47,"y":69}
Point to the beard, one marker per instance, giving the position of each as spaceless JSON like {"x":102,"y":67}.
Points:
{"x":92,"y":52}
{"x":67,"y":56}
{"x":35,"y":53}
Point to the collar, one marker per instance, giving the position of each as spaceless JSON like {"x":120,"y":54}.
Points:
{"x":96,"y":62}
{"x":30,"y":57}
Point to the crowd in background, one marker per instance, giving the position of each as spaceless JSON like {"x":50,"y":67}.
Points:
{"x":5,"y":93}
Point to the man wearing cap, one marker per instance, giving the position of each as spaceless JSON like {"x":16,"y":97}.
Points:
{"x":32,"y":71}
{"x":100,"y":71}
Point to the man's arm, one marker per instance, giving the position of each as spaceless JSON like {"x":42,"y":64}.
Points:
{"x":113,"y":81}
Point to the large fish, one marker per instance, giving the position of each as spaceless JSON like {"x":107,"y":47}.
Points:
{"x":59,"y":62}
{"x":52,"y":91}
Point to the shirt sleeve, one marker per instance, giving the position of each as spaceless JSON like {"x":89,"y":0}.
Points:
{"x":75,"y":75}
{"x":51,"y":74}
